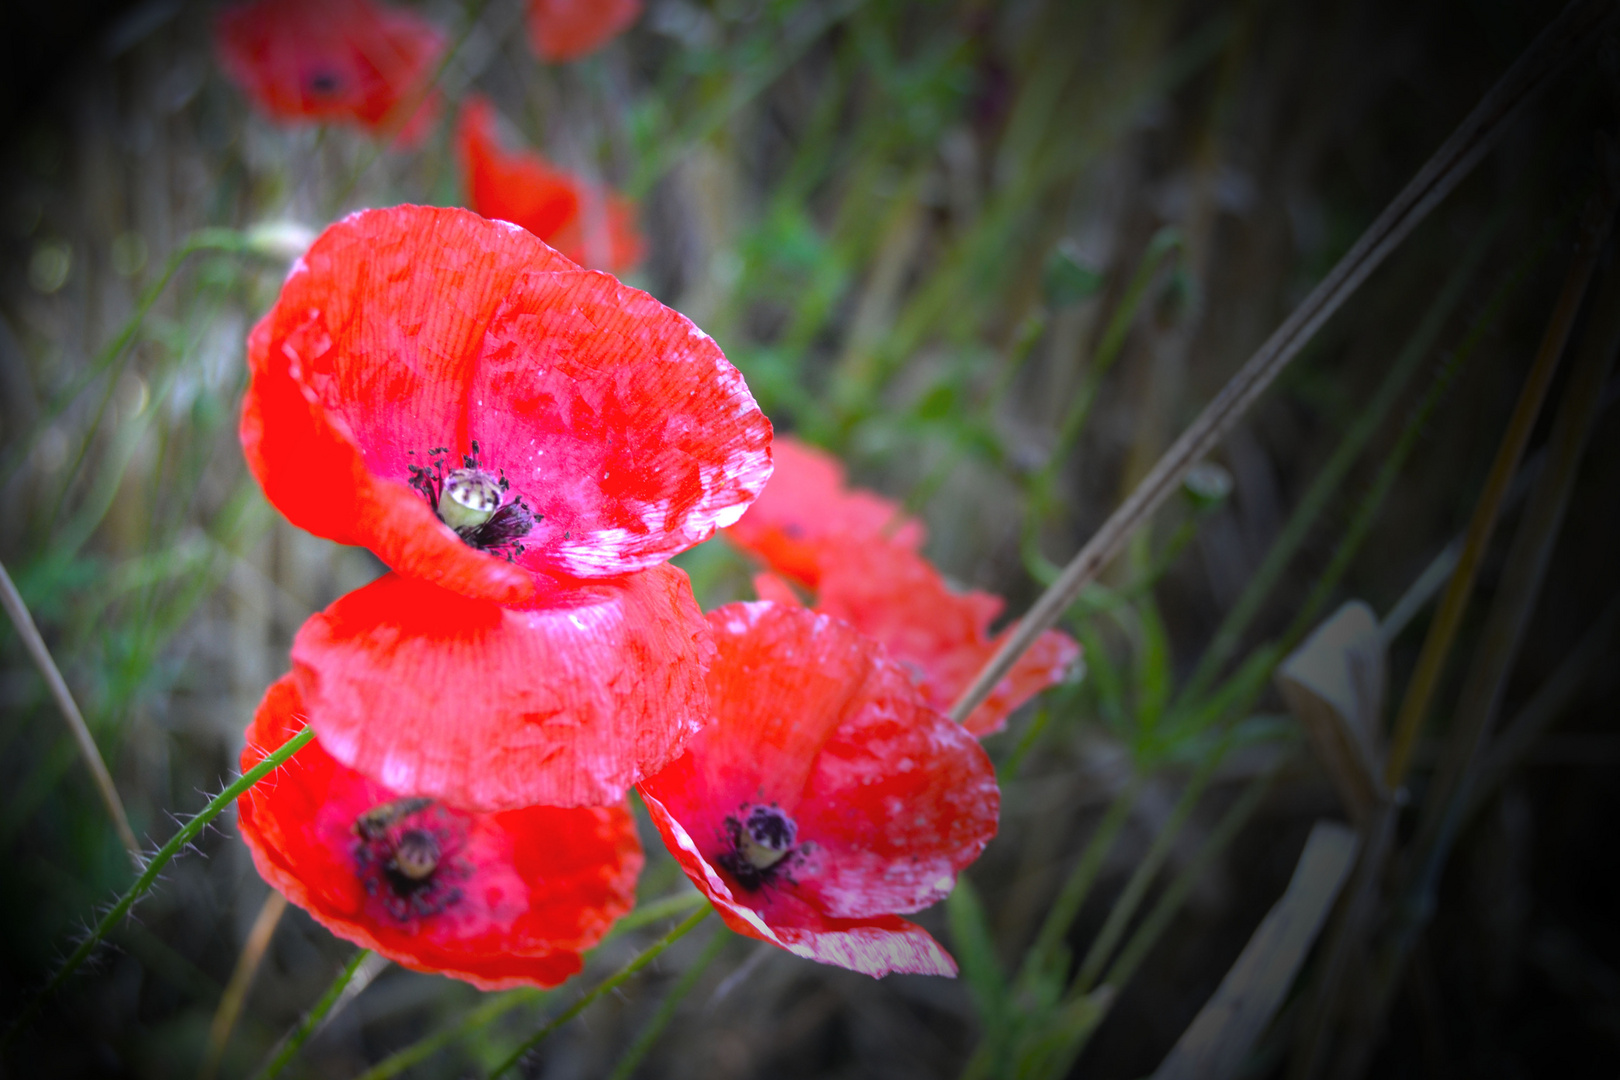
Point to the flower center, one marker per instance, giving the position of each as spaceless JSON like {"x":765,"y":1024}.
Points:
{"x":473,"y":501}
{"x":759,"y":841}
{"x":401,"y":857}
{"x":469,"y":498}
{"x":416,"y":855}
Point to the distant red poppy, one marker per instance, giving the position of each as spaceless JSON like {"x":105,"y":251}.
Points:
{"x":568,"y":29}
{"x":483,"y":414}
{"x":827,"y":797}
{"x":941,"y":636}
{"x":565,"y":701}
{"x":498,"y":900}
{"x":591,"y":227}
{"x":324,"y":61}
{"x":806,"y":506}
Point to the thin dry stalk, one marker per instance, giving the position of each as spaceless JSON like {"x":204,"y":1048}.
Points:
{"x":247,"y":966}
{"x":12,"y":600}
{"x":1556,"y":46}
{"x":1448,"y":619}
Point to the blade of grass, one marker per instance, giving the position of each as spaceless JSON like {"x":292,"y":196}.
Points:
{"x":1482,"y":525}
{"x":501,"y":1004}
{"x":1455,"y":159}
{"x":300,"y":1034}
{"x":1077,"y":886}
{"x":187,"y":833}
{"x":1218,"y":1040}
{"x":247,"y":966}
{"x":12,"y":600}
{"x":611,"y":983}
{"x":637,"y":1051}
{"x":1125,"y":905}
{"x":1326,"y":483}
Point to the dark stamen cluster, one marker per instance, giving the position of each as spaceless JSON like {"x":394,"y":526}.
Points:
{"x":404,"y":856}
{"x":503,"y":530}
{"x":760,"y":846}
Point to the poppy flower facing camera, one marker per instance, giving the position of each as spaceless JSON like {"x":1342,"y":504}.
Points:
{"x":828,"y":798}
{"x":566,"y":701}
{"x":498,"y":900}
{"x":563,"y":30}
{"x":485,"y":415}
{"x":592,"y":227}
{"x":325,"y":61}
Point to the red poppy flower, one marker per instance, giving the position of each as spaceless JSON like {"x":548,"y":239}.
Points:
{"x":320,"y":61}
{"x":499,"y":900}
{"x":566,"y":701}
{"x":589,"y":226}
{"x":806,"y":507}
{"x":827,"y":797}
{"x":568,"y":29}
{"x":895,"y":596}
{"x":482,"y":413}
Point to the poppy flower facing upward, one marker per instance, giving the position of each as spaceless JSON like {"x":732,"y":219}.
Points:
{"x":592,"y":227}
{"x":568,"y":29}
{"x":483,"y":414}
{"x":498,"y":900}
{"x":807,"y":507}
{"x":565,"y":701}
{"x":324,"y":61}
{"x":827,"y":798}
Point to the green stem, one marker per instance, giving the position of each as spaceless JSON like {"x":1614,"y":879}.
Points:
{"x":313,"y":1018}
{"x":187,"y":833}
{"x":613,"y":982}
{"x":501,"y":1004}
{"x":666,"y":1010}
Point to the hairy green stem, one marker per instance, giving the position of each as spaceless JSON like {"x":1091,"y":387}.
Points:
{"x":188,"y":832}
{"x":312,"y":1019}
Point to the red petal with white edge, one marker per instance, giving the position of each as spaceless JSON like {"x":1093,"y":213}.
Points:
{"x":564,"y":702}
{"x":887,"y":797}
{"x":896,"y":596}
{"x":875,"y":946}
{"x":409,"y":329}
{"x":806,"y":508}
{"x":513,"y":899}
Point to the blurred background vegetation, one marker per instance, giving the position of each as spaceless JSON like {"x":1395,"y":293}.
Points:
{"x":995,"y":256}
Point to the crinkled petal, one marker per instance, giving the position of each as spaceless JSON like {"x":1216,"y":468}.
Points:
{"x":348,"y":61}
{"x":874,"y":946}
{"x":590,"y":226}
{"x":565,"y":702}
{"x":806,"y":507}
{"x":406,"y":330}
{"x":562,"y":30}
{"x":516,"y":897}
{"x":894,"y":595}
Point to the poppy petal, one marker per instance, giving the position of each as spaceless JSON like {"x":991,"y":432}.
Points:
{"x":403,"y":332}
{"x":564,"y":30}
{"x":806,"y":506}
{"x":896,"y":596}
{"x":503,"y":900}
{"x":590,"y":226}
{"x":565,"y":702}
{"x":871,"y":799}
